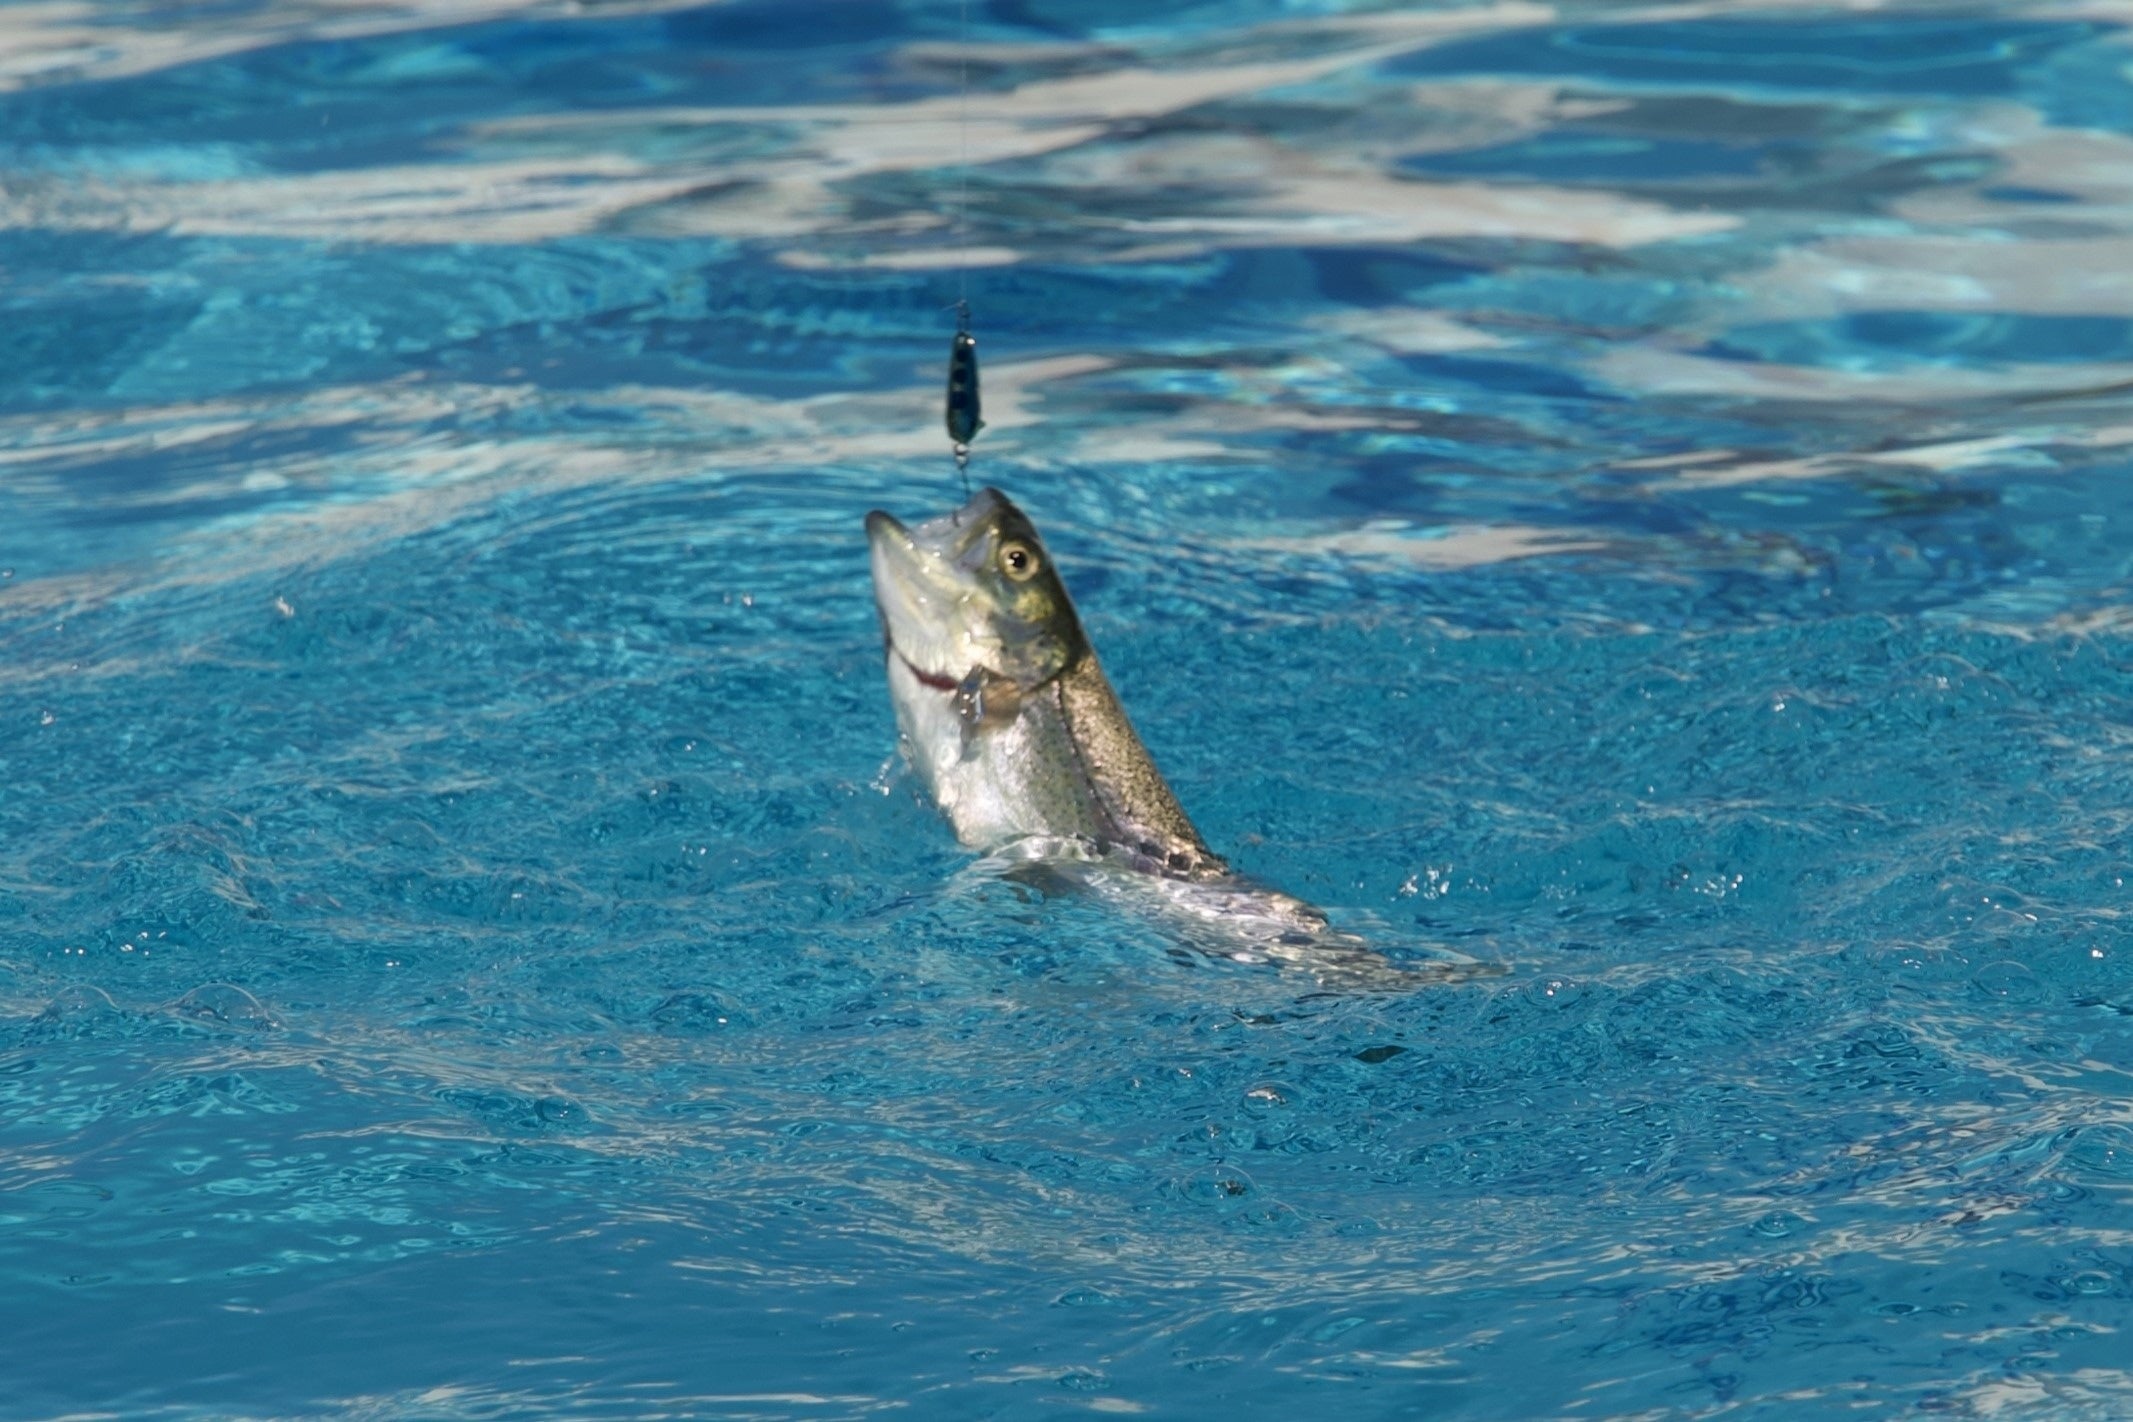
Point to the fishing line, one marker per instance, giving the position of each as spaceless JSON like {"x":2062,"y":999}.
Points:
{"x":962,"y":168}
{"x":963,"y":416}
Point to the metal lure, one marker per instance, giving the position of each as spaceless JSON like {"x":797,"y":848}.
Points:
{"x":964,"y":419}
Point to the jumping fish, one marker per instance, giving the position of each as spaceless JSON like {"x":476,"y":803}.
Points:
{"x":1009,"y":721}
{"x":1005,"y":713}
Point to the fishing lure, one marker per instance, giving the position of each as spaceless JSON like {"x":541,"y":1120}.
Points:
{"x":964,"y":414}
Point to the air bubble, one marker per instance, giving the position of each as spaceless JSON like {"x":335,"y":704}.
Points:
{"x":2105,"y":1150}
{"x":1554,"y":993}
{"x":78,"y":1006}
{"x":2010,"y":980}
{"x":1085,"y":1298}
{"x":1276,"y":1215}
{"x":1220,"y":1186}
{"x":226,"y":1005}
{"x":687,"y":1013}
{"x":1930,"y":962}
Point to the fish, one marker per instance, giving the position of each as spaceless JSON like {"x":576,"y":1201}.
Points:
{"x":1005,"y":712}
{"x":1006,"y":716}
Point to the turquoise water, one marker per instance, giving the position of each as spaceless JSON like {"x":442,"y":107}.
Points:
{"x":1637,"y":496}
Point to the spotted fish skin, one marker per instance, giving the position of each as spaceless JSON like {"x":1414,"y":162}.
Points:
{"x":1005,"y":711}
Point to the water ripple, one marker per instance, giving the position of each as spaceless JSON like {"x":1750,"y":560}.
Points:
{"x":1646,"y":489}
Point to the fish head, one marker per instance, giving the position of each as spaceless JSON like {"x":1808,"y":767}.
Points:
{"x":973,"y":593}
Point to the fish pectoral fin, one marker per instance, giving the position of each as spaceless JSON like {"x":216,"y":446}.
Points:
{"x":984,"y":701}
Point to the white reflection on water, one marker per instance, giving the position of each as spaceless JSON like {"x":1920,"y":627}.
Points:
{"x":73,"y":41}
{"x":1124,"y":155}
{"x":1671,"y":372}
{"x":403,"y":469}
{"x":519,"y":200}
{"x":574,"y":172}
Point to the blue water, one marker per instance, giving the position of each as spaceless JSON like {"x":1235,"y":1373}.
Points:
{"x":1640,"y":497}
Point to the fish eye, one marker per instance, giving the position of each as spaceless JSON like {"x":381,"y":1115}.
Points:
{"x":1018,"y":560}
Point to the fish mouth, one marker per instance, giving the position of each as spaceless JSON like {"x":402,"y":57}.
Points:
{"x":906,"y":580}
{"x":935,"y":680}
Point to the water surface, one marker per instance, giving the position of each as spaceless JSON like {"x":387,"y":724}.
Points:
{"x":1637,"y":496}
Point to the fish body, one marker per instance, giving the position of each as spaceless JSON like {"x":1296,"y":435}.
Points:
{"x":1009,"y":720}
{"x":1005,"y":712}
